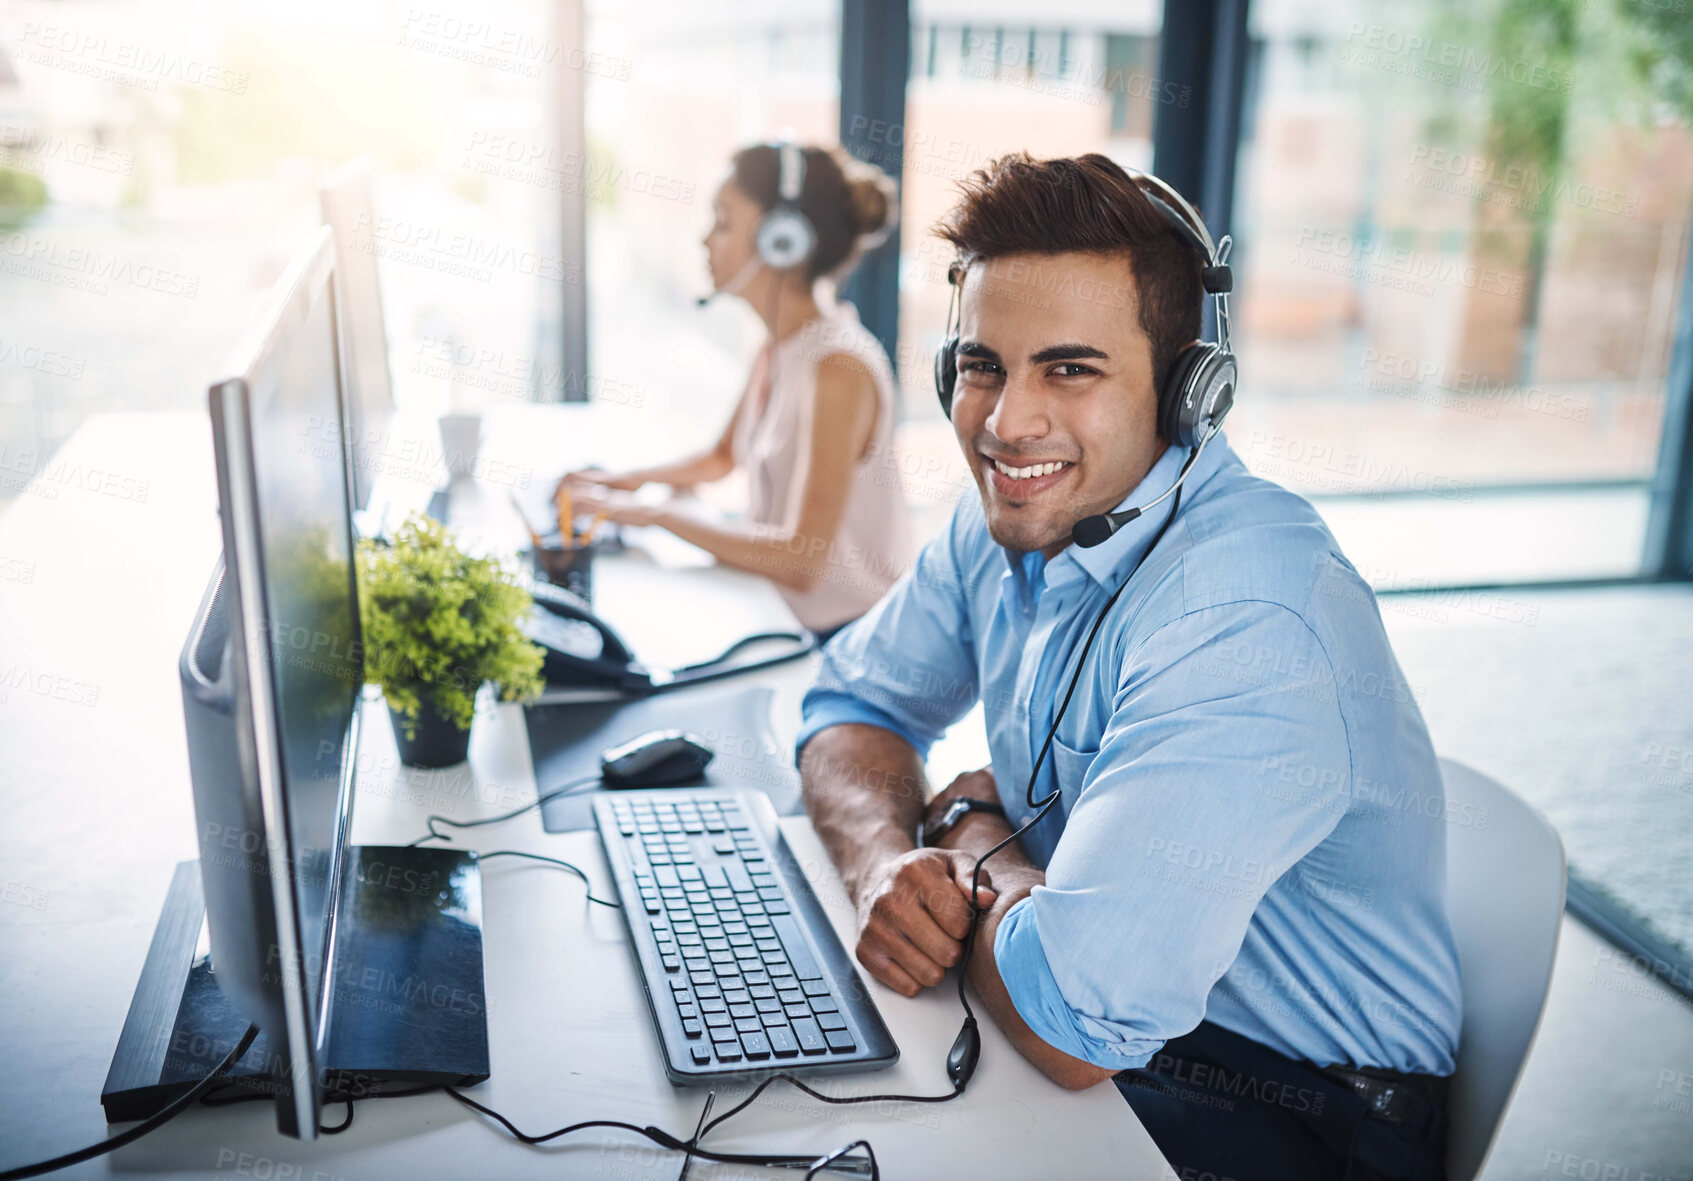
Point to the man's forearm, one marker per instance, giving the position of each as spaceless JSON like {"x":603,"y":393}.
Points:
{"x":1013,"y":877}
{"x":864,"y":789}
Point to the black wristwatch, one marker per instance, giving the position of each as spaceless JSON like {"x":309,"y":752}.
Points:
{"x":930,"y":835}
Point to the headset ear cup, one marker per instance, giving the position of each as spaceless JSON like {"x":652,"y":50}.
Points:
{"x":1172,"y":396}
{"x":785,"y":238}
{"x":946,"y":373}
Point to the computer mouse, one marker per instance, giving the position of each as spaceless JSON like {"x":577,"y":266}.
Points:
{"x":658,"y":758}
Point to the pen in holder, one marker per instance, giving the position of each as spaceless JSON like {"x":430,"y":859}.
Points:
{"x":565,"y":557}
{"x":566,"y":564}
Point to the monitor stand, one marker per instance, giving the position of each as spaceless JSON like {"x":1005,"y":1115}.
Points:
{"x":406,"y":1005}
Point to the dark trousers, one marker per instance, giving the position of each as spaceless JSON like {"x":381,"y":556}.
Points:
{"x":1222,"y":1107}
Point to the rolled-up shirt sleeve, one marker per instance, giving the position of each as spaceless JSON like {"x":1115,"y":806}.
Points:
{"x":908,"y":665}
{"x":1177,"y":832}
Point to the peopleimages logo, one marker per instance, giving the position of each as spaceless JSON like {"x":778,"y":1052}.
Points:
{"x":478,"y":257}
{"x":98,"y":55}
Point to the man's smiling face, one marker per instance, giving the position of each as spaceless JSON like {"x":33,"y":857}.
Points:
{"x":1056,"y":406}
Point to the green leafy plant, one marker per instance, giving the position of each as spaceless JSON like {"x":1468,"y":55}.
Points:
{"x":438,"y":623}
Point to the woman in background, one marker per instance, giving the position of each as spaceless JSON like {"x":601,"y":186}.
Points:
{"x":826,"y":520}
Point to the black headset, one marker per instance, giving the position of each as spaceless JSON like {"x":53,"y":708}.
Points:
{"x":1198,"y":390}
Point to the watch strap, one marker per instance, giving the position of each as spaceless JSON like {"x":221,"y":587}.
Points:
{"x":956,"y":811}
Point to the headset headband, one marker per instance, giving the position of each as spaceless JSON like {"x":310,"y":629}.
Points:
{"x":791,"y":177}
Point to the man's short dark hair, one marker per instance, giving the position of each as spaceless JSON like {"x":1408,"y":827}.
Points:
{"x":1085,"y":204}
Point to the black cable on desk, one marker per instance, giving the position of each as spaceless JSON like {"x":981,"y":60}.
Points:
{"x":566,"y":789}
{"x":169,"y":1112}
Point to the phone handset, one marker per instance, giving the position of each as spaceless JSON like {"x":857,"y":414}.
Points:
{"x":572,"y":657}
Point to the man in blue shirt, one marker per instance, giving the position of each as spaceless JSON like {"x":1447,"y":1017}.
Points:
{"x":1237,"y":906}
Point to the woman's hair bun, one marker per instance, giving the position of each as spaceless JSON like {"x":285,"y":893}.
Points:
{"x":875,"y":196}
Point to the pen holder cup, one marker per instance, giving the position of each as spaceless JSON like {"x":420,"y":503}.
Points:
{"x":569,"y":566}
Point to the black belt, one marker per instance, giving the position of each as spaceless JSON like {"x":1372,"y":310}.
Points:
{"x":1389,"y":1093}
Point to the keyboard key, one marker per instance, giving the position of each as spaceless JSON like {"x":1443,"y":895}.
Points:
{"x":791,"y":996}
{"x":810,"y":1036}
{"x":738,"y":996}
{"x":796,"y":1011}
{"x":799,"y":952}
{"x":713,"y":1004}
{"x":823,"y":1004}
{"x":671,"y":963}
{"x":718,"y":1020}
{"x":700,"y":1054}
{"x":776,"y":1020}
{"x":665,"y":875}
{"x":756,"y":1045}
{"x":776,"y":908}
{"x":692,"y":1029}
{"x":768,"y":1005}
{"x":831,"y":1021}
{"x":840,"y":1042}
{"x":742,"y":1011}
{"x":782,"y":1043}
{"x":737,"y":874}
{"x":686,"y":1012}
{"x":813,"y":987}
{"x":727,"y":1051}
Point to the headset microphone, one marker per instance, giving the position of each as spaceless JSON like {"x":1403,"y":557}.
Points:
{"x":733,"y":286}
{"x":1097,"y":530}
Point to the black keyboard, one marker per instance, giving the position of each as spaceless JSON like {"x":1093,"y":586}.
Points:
{"x":742,"y":970}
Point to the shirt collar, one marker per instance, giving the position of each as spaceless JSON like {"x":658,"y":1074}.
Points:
{"x":1129,"y":543}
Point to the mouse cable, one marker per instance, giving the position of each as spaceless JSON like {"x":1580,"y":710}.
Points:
{"x":568,"y":788}
{"x":165,"y":1114}
{"x":553,"y":861}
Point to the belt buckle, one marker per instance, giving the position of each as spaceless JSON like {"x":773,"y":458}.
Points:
{"x":1388,"y":1102}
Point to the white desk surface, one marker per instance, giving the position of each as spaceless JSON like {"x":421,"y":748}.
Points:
{"x":99,"y":577}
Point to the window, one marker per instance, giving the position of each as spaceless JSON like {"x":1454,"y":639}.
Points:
{"x":159,"y":167}
{"x":1461,"y":232}
{"x":705,"y":80}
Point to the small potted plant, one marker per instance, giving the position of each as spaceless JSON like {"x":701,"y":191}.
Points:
{"x":437,"y":625}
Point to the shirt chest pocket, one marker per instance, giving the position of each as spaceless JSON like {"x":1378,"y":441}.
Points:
{"x":1071,"y":766}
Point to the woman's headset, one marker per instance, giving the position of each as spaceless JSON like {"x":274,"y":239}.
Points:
{"x":1199,"y":388}
{"x":786,"y":237}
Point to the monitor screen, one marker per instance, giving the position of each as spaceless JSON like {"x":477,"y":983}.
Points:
{"x":305,"y":536}
{"x":344,"y":199}
{"x":284,"y":774}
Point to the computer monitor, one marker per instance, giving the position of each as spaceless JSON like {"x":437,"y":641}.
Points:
{"x":288,"y":646}
{"x":336,"y":952}
{"x":344,"y":198}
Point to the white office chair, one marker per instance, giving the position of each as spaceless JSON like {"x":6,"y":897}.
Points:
{"x":1505,"y":890}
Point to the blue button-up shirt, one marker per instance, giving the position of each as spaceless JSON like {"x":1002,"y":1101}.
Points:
{"x":1252,"y":826}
